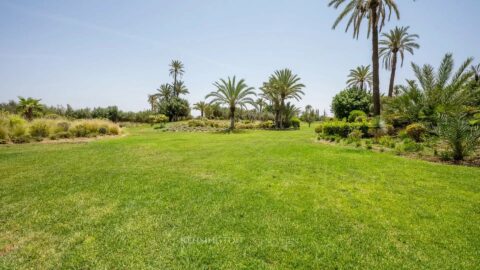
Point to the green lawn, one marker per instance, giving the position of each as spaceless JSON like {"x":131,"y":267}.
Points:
{"x":257,"y":200}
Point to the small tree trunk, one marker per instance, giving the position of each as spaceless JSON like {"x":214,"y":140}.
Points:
{"x":392,"y":75}
{"x":361,"y":85}
{"x":376,"y":79}
{"x":282,"y":111}
{"x":232,"y":118}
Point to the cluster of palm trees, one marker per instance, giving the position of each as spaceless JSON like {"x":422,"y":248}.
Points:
{"x":396,"y":42}
{"x":235,"y":94}
{"x":167,"y":99}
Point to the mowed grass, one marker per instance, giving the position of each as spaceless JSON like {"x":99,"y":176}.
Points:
{"x":255,"y":200}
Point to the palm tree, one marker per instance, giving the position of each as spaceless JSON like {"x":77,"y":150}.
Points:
{"x":260,"y":105}
{"x":476,"y":72}
{"x":29,"y":107}
{"x":233,"y":94}
{"x":398,"y":40}
{"x":375,"y":11}
{"x":271,"y":94}
{"x":176,"y":71}
{"x":165,"y":92}
{"x":200,"y":106}
{"x":360,"y":77}
{"x":181,"y":88}
{"x":287,"y":85}
{"x":152,"y":100}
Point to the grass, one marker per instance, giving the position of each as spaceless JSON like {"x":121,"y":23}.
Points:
{"x":256,"y":199}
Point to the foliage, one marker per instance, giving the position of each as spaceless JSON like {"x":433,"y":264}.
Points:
{"x":233,"y":94}
{"x":342,"y":128}
{"x":30,"y":107}
{"x":461,"y":137}
{"x":295,"y":122}
{"x":158,"y":119}
{"x":350,"y":99}
{"x":357,"y":116}
{"x":416,"y":131}
{"x":39,"y":128}
{"x":360,"y":77}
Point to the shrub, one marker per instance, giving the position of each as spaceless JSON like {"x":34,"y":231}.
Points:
{"x":113,"y":129}
{"x":103,"y":130}
{"x":355,"y":135}
{"x":158,"y":119}
{"x":387,"y":141}
{"x":409,"y":145}
{"x":356,"y":114}
{"x":266,"y":124}
{"x":78,"y":130}
{"x":295,"y":122}
{"x":461,"y":137}
{"x":319,"y":129}
{"x":196,"y":123}
{"x":349,"y":100}
{"x":3,"y":134}
{"x":63,"y":135}
{"x":416,"y":132}
{"x":62,"y":127}
{"x":39,"y":128}
{"x":22,"y":139}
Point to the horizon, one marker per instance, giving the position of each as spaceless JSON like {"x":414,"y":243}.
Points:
{"x":89,"y":54}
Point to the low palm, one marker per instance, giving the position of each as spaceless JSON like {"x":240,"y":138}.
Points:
{"x":397,"y":41}
{"x":29,"y":107}
{"x":235,"y":94}
{"x":360,"y":77}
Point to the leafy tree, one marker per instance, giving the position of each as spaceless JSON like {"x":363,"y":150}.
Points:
{"x":309,"y":115}
{"x":285,"y":85}
{"x":233,"y":94}
{"x":176,"y":71}
{"x":397,"y":41}
{"x":375,"y":12}
{"x":360,"y":77}
{"x":29,"y":107}
{"x":200,"y":106}
{"x":350,"y":99}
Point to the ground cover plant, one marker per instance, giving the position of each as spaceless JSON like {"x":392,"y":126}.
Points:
{"x":158,"y":199}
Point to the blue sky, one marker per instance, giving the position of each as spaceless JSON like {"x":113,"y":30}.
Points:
{"x":111,"y":52}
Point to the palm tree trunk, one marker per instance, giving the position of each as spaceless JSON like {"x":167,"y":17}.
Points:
{"x":392,"y":75}
{"x":361,"y":85}
{"x":282,"y":109}
{"x":232,"y":118}
{"x":376,"y":79}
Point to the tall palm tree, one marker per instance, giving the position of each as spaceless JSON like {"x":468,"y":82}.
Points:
{"x":233,"y":94}
{"x":375,"y":12}
{"x":398,"y":40}
{"x":176,"y":71}
{"x":288,"y":86}
{"x":29,"y":107}
{"x":200,"y":106}
{"x":476,"y":72}
{"x":165,"y":92}
{"x":152,"y":100}
{"x":360,"y":77}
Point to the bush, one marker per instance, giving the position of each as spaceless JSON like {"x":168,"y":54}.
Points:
{"x":319,"y":129}
{"x":295,"y":122}
{"x":356,"y":114}
{"x":62,"y":127}
{"x":39,"y":128}
{"x":387,"y":141}
{"x":22,"y":139}
{"x":113,"y":129}
{"x":79,"y":130}
{"x":103,"y":130}
{"x":416,"y":132}
{"x":196,"y":123}
{"x":349,"y":100}
{"x":409,"y":145}
{"x":266,"y":124}
{"x":158,"y":119}
{"x":355,"y":135}
{"x":462,"y":138}
{"x":341,"y":128}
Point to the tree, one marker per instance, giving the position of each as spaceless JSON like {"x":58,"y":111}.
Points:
{"x":29,"y":107}
{"x":152,"y":100}
{"x":360,"y":77}
{"x":233,"y":94}
{"x":176,"y":71}
{"x":350,"y":99}
{"x":397,"y":41}
{"x":260,"y":106}
{"x":375,"y":12}
{"x":271,"y":94}
{"x":165,"y":92}
{"x":476,"y":72}
{"x":290,"y":111}
{"x":287,"y":85}
{"x":200,"y":106}
{"x":433,"y":93}
{"x":309,"y":115}
{"x":181,"y":89}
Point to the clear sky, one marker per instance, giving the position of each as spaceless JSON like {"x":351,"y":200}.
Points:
{"x":112,"y":52}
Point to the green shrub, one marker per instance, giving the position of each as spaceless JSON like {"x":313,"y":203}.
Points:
{"x":387,"y":141}
{"x":266,"y":124}
{"x":409,"y":145}
{"x":113,"y":129}
{"x":319,"y":129}
{"x":3,"y":134}
{"x":103,"y":130}
{"x":295,"y":122}
{"x":352,"y":117}
{"x":342,"y":129}
{"x":39,"y":128}
{"x":22,"y":139}
{"x":416,"y":132}
{"x":350,"y":99}
{"x":196,"y":123}
{"x":461,"y":137}
{"x":79,"y":130}
{"x":63,"y":135}
{"x":355,"y":135}
{"x":62,"y":127}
